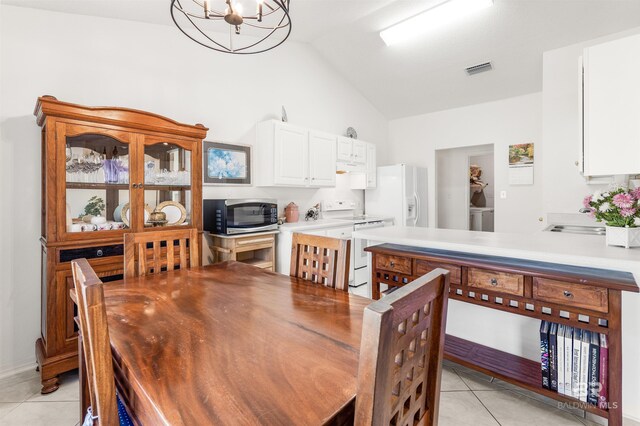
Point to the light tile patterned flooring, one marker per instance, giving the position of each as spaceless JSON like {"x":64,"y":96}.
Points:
{"x":467,"y":398}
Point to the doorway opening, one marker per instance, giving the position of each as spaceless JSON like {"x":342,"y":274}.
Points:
{"x":465,"y":188}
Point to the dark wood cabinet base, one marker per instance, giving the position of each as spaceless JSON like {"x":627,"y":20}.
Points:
{"x":51,"y":367}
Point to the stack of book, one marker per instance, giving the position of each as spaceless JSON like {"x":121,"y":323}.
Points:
{"x":574,"y":362}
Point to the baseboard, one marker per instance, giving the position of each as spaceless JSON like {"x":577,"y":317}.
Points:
{"x":30,"y":365}
{"x":631,"y":421}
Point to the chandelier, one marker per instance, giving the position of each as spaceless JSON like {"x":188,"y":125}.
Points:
{"x":230,"y":30}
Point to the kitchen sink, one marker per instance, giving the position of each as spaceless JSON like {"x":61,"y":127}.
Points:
{"x":578,"y":229}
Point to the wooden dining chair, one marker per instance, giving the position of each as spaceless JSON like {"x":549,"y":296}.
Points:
{"x":106,"y":407}
{"x":401,"y":354}
{"x":152,"y":252}
{"x":321,"y":260}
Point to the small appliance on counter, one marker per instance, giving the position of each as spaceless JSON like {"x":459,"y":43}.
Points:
{"x":313,"y":213}
{"x":291,"y":213}
{"x":228,"y":217}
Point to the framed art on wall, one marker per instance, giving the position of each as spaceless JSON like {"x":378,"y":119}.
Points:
{"x":226,"y":164}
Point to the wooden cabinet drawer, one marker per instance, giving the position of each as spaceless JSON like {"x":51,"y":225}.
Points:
{"x":255,"y":240}
{"x":496,"y":281}
{"x":401,"y":265}
{"x":426,"y":266}
{"x":579,"y":295}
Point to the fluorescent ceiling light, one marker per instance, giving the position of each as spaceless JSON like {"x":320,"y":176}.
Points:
{"x":436,"y":17}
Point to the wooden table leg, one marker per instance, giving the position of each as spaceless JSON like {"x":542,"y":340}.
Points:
{"x":85,"y":400}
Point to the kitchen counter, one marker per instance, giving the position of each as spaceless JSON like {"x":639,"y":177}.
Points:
{"x":314,"y":224}
{"x":569,"y":249}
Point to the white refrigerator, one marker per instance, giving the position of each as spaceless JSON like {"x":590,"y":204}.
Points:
{"x":401,"y":193}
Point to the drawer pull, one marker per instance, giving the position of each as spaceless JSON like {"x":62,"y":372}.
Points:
{"x":494,"y":282}
{"x":567,"y":293}
{"x":392,"y":264}
{"x":99,"y":253}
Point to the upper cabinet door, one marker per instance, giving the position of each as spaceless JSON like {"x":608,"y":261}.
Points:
{"x":322,"y":159}
{"x":612,"y":108}
{"x":372,"y":168}
{"x":345,"y":150}
{"x":359,"y":152}
{"x":96,"y":165}
{"x":168,"y":181}
{"x":291,"y":159}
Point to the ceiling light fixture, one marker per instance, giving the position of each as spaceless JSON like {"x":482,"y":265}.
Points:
{"x":220,"y":29}
{"x":430,"y":19}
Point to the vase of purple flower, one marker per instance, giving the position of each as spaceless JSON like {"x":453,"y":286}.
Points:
{"x":619,"y":209}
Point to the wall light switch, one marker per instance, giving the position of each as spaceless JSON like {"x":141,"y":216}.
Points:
{"x":503,"y":195}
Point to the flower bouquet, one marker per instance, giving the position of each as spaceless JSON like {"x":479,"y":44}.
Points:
{"x":619,"y":209}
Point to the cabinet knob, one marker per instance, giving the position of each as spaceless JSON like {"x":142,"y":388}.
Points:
{"x":494,"y":282}
{"x":577,"y":163}
{"x":135,"y":185}
{"x":99,"y":253}
{"x":567,"y":293}
{"x":140,"y":185}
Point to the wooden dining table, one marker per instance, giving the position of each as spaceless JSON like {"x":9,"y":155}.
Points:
{"x":233,"y":344}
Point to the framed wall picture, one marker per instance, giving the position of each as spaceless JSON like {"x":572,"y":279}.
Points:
{"x":226,"y":164}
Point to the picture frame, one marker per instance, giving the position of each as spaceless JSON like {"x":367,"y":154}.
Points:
{"x":226,"y":164}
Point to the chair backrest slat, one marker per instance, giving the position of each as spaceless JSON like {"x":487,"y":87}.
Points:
{"x":321,"y":260}
{"x":97,"y":347}
{"x":401,"y":354}
{"x":142,"y":260}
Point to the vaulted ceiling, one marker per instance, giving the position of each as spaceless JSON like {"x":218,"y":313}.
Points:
{"x":426,"y":74}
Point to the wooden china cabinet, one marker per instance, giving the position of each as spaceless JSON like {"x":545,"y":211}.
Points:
{"x":122,"y":164}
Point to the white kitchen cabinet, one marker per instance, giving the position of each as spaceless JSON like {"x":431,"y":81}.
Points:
{"x":291,"y":156}
{"x":345,"y":148}
{"x":351,"y":150}
{"x":322,"y":159}
{"x":611,"y":102}
{"x":359,"y":152}
{"x":371,"y":166}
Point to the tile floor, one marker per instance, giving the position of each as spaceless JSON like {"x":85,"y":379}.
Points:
{"x":468,"y":398}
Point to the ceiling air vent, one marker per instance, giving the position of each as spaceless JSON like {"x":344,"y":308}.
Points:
{"x":477,"y":69}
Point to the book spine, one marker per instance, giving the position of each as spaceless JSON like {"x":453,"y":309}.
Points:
{"x":553,"y":357}
{"x":544,"y":353}
{"x":560,"y":358}
{"x":575,"y":363}
{"x":584,"y":366}
{"x":603,"y":396}
{"x":568,"y":358}
{"x":594,"y":370}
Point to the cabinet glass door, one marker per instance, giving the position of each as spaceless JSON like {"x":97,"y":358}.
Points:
{"x":96,"y":165}
{"x":168,"y":197}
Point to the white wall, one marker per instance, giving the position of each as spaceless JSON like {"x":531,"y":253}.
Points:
{"x":96,"y":61}
{"x":414,"y":140}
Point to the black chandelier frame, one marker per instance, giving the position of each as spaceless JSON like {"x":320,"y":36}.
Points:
{"x":217,"y":16}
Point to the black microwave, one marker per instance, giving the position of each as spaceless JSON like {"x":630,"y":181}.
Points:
{"x":230,"y":217}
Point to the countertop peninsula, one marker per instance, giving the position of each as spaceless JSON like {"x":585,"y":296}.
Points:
{"x":568,"y":249}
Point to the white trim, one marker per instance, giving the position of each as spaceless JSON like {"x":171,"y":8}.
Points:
{"x":30,"y":365}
